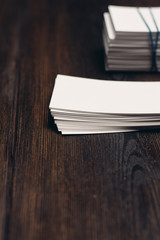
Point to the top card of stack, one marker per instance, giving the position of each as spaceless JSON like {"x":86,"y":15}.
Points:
{"x":83,"y":106}
{"x":131,"y":38}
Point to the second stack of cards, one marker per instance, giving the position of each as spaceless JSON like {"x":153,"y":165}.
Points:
{"x":131,"y":38}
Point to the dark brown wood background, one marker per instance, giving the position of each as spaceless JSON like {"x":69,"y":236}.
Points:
{"x":54,"y":187}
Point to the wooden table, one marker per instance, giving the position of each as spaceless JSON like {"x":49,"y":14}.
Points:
{"x":89,"y":187}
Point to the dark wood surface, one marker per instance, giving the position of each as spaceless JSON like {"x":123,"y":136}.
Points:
{"x":91,"y":187}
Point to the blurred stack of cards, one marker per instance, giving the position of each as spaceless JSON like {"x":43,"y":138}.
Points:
{"x":131,"y":38}
{"x":88,"y":106}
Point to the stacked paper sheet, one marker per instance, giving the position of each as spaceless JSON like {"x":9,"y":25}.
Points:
{"x":131,"y":38}
{"x":85,"y":106}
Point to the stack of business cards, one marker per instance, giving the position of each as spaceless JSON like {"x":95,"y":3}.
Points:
{"x":131,"y":38}
{"x":88,"y":106}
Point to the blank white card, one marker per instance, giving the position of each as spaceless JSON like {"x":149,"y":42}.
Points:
{"x":105,"y":96}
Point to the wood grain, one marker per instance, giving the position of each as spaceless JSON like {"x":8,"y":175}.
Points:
{"x":92,"y":187}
